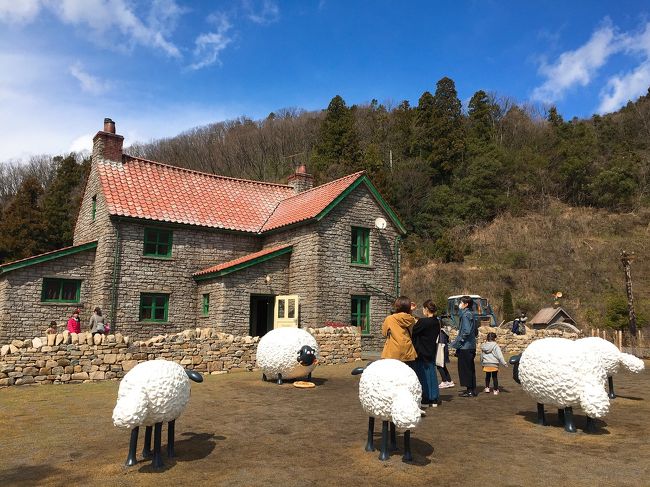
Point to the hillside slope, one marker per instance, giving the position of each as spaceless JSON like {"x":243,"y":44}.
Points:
{"x":561,"y":248}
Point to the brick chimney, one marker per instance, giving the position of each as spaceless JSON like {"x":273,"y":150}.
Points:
{"x":301,"y":181}
{"x":106,"y":144}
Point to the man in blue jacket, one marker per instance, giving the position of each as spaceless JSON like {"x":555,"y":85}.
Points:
{"x":465,"y":345}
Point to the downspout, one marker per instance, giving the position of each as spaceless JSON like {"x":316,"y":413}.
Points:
{"x":398,"y":239}
{"x":116,"y":267}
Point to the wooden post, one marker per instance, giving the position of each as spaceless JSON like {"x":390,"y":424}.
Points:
{"x":626,"y":259}
{"x":619,"y":339}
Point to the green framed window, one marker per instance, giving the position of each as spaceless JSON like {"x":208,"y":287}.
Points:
{"x":154,"y":307}
{"x":94,"y":207}
{"x":360,"y":248}
{"x":206,"y":305}
{"x":157,"y":242}
{"x":61,"y":290}
{"x":360,"y":315}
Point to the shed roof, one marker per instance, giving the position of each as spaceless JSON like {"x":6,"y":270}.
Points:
{"x":54,"y":254}
{"x":546,"y":316}
{"x":242,"y":262}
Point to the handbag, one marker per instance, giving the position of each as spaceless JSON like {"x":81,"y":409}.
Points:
{"x":440,"y":355}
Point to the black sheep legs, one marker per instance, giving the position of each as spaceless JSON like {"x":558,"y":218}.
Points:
{"x":156,"y":455}
{"x":386,"y":449}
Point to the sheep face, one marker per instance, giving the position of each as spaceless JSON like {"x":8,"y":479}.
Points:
{"x":306,"y":356}
{"x":564,"y":373}
{"x":291,"y":352}
{"x":150,"y":393}
{"x":390,"y":390}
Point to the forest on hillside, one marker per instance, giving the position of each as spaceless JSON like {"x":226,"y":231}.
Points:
{"x":448,"y":172}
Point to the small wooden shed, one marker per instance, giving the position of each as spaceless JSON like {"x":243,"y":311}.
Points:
{"x":548,"y":316}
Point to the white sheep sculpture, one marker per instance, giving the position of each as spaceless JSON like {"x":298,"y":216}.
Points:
{"x":287,"y":353}
{"x":150,"y":393}
{"x":390,"y":390}
{"x":564,"y":373}
{"x":612,"y":359}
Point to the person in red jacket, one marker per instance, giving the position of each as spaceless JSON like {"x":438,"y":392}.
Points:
{"x":74,"y":325}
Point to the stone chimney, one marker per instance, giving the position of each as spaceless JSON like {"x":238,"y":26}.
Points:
{"x":301,"y":181}
{"x":106,"y":144}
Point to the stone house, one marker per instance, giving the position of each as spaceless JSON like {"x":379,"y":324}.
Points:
{"x":161,"y":249}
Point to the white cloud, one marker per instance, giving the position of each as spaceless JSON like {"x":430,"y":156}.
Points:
{"x":576,"y":67}
{"x":622,"y":88}
{"x":266,"y":13}
{"x":208,"y":46}
{"x":103,"y":16}
{"x":89,"y":83}
{"x":19,"y":12}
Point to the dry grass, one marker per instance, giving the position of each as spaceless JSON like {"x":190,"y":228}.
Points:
{"x":572,"y":250}
{"x":240,"y":431}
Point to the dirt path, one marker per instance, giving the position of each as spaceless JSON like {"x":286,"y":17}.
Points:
{"x":240,"y":431}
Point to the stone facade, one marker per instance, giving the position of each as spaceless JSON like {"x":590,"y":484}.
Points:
{"x":116,"y":273}
{"x":71,"y":358}
{"x":24,"y":315}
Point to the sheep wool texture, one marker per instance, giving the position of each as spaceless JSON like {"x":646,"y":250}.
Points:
{"x":151,"y":392}
{"x":566,"y":374}
{"x":611,"y":357}
{"x":277,"y":353}
{"x":390,"y":390}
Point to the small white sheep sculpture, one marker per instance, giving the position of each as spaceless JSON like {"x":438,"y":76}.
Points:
{"x":287,"y":353}
{"x":564,"y":373}
{"x":612,"y":359}
{"x":390,"y":390}
{"x":150,"y":393}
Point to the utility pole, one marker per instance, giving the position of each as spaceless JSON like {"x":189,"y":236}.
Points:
{"x":626,"y":259}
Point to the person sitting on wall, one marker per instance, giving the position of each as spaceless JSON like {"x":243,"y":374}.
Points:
{"x":52,"y":329}
{"x":97,"y":322}
{"x":74,"y":325}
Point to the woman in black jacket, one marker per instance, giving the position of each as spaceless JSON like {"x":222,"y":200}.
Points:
{"x":425,"y":339}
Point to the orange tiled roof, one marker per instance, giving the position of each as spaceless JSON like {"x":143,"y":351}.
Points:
{"x":308,"y":204}
{"x":139,"y":188}
{"x":241,"y":260}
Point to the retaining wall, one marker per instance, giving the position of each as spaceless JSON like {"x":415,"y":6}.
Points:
{"x":71,"y":358}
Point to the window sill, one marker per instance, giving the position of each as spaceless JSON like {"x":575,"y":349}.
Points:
{"x":367,"y":335}
{"x":362,"y":266}
{"x":153,"y":257}
{"x":154,"y":322}
{"x":62,"y":303}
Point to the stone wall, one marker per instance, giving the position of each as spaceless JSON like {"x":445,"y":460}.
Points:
{"x":512,"y":344}
{"x":71,"y":358}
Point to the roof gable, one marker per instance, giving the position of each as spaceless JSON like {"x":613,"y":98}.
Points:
{"x":242,"y":262}
{"x":47,"y":256}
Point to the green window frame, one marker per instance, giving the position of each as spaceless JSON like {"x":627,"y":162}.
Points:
{"x":360,"y":313}
{"x":157,"y":242}
{"x":206,"y":305}
{"x":60,"y":290}
{"x":94,"y":207}
{"x":360,"y":245}
{"x":154,"y":307}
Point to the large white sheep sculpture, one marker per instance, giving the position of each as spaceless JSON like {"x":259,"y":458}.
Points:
{"x":150,"y":393}
{"x":390,"y":390}
{"x":612,"y":359}
{"x":564,"y":373}
{"x":287,"y":353}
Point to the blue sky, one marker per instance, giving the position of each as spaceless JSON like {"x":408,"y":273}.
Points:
{"x":163,"y":66}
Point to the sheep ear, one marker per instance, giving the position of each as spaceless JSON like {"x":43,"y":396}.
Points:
{"x":358,"y":370}
{"x":194,"y":375}
{"x":514,"y":359}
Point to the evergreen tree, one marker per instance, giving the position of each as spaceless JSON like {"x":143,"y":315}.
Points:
{"x":449,"y":143}
{"x":423,"y":127}
{"x":482,"y":114}
{"x":337,"y":151}
{"x":508,"y":308}
{"x":23,"y":229}
{"x":61,"y":202}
